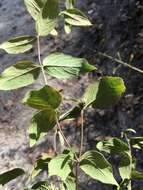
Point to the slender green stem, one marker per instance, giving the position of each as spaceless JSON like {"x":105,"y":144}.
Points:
{"x":64,"y":137}
{"x":80,"y":149}
{"x":131,"y":161}
{"x":77,"y":174}
{"x":82,"y":134}
{"x":40,"y":61}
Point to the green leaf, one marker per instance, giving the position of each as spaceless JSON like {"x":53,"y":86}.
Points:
{"x":90,"y":94}
{"x":51,"y":9}
{"x":45,"y":26}
{"x":67,"y":28}
{"x":113,"y":146}
{"x":45,"y":13}
{"x":64,"y":66}
{"x":34,"y":7}
{"x":42,"y":122}
{"x":70,"y":183}
{"x":137,"y":175}
{"x":48,"y":18}
{"x":136,"y":142}
{"x":125,"y":167}
{"x":10,"y":175}
{"x":18,"y":45}
{"x":72,"y":113}
{"x":39,"y":184}
{"x":21,"y":74}
{"x":75,"y":17}
{"x":60,"y":166}
{"x":70,"y":4}
{"x":109,"y":93}
{"x":43,"y":98}
{"x":96,"y":166}
{"x":39,"y":166}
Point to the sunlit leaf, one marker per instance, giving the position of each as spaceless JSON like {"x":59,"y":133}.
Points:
{"x":34,"y":7}
{"x":137,"y":142}
{"x":60,"y":166}
{"x":113,"y":146}
{"x":75,"y":17}
{"x":10,"y":175}
{"x":43,"y":98}
{"x":18,"y":45}
{"x":45,"y":26}
{"x":65,"y":66}
{"x":21,"y":74}
{"x":96,"y":166}
{"x":125,"y":167}
{"x":47,"y":20}
{"x":70,"y":4}
{"x":70,"y":183}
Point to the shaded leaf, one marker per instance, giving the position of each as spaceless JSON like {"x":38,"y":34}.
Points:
{"x":109,"y":93}
{"x":43,"y":98}
{"x":96,"y":166}
{"x":65,"y":66}
{"x":18,"y":45}
{"x":21,"y":74}
{"x":72,"y":113}
{"x":10,"y":175}
{"x":50,"y":9}
{"x":42,"y":122}
{"x":75,"y":17}
{"x":137,"y":175}
{"x":39,"y":166}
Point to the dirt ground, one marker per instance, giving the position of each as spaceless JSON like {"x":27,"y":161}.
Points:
{"x":117,"y":29}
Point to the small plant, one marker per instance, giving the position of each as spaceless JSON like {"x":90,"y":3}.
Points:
{"x":100,"y":94}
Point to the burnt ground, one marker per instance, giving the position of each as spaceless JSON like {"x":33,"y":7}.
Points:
{"x":117,"y":28}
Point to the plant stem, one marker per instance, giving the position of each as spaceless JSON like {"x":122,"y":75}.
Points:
{"x":82,"y":135}
{"x":80,"y":149}
{"x":40,"y":62}
{"x":131,"y":161}
{"x":76,"y":174}
{"x":65,"y":139}
{"x":120,"y":62}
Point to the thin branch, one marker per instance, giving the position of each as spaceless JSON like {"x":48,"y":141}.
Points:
{"x":120,"y":62}
{"x":65,"y":139}
{"x":82,"y":134}
{"x":60,"y":130}
{"x":40,"y":62}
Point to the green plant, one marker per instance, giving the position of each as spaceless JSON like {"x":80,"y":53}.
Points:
{"x":100,"y":94}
